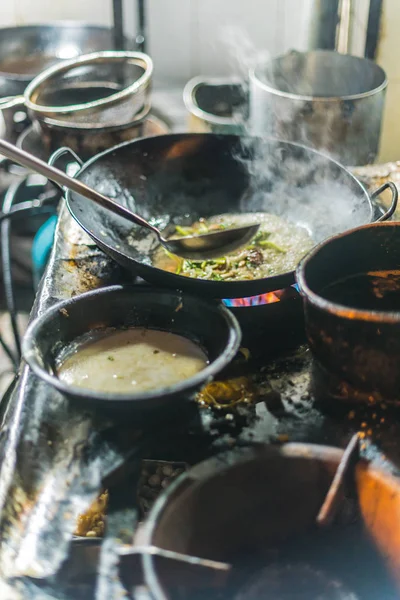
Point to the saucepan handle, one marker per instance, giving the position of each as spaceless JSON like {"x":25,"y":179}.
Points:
{"x":55,"y":157}
{"x":61,"y":152}
{"x":11,"y":102}
{"x":375,"y":195}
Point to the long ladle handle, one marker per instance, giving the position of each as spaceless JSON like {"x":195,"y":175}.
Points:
{"x":39,"y":166}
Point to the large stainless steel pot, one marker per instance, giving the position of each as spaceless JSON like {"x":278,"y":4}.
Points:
{"x":330,"y":101}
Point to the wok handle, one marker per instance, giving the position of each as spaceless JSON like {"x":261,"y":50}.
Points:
{"x":389,"y":212}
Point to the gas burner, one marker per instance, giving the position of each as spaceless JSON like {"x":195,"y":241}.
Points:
{"x":274,"y":315}
{"x":262,"y":299}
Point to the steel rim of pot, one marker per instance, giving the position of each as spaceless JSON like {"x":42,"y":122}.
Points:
{"x":70,"y":127}
{"x":193,"y":108}
{"x":255,"y":79}
{"x":341,"y":310}
{"x":142,"y":83}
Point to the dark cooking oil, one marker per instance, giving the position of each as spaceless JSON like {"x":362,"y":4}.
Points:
{"x":376,"y":290}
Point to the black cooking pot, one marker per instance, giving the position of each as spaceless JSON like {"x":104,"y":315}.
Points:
{"x":181,"y":177}
{"x":359,"y":349}
{"x":209,"y":325}
{"x":239,"y":508}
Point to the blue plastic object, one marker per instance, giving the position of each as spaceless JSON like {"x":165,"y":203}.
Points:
{"x":42,"y":245}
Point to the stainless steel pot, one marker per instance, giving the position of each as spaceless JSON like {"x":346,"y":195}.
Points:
{"x":93,"y":91}
{"x":88,"y":143}
{"x":330,"y":101}
{"x":27,"y":51}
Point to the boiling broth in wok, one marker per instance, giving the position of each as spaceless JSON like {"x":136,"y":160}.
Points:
{"x":277,"y":248}
{"x":132,"y":361}
{"x":376,"y":290}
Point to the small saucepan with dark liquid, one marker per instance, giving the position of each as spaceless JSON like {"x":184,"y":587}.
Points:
{"x":351,"y":290}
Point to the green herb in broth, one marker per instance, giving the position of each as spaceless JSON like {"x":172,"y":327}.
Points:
{"x":277,"y":248}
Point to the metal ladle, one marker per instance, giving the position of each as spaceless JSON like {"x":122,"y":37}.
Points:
{"x":201,"y":247}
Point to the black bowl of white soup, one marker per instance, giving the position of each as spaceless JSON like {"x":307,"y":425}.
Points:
{"x":131,"y":347}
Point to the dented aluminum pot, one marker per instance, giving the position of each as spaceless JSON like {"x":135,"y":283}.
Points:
{"x":356,"y":351}
{"x":332,"y":102}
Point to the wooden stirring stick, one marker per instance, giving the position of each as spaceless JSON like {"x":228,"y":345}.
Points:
{"x":335,"y":494}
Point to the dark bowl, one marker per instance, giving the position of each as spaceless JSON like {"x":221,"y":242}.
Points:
{"x":237,"y":507}
{"x":357,"y":349}
{"x":208,"y":324}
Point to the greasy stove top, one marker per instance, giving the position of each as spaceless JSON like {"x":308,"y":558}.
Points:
{"x":54,"y":457}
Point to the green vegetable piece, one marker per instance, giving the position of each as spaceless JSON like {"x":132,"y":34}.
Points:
{"x":272,"y":246}
{"x":184,"y":231}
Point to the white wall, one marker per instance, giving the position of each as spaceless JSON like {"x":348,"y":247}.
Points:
{"x":388,"y":58}
{"x":184,"y":35}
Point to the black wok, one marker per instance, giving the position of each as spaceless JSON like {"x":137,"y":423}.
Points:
{"x":179,"y":178}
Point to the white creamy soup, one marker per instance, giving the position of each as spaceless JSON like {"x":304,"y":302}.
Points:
{"x":132,"y":361}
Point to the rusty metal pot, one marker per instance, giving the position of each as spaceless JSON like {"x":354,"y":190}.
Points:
{"x":87,"y":144}
{"x":330,"y":101}
{"x":358,"y":348}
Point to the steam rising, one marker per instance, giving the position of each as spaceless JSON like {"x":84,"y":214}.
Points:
{"x":300,"y":185}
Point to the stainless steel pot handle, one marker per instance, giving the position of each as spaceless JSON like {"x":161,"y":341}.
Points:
{"x":389,"y":212}
{"x":11,"y":102}
{"x":60,"y":152}
{"x":57,"y":155}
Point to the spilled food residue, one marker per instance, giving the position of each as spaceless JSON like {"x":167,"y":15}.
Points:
{"x":226,"y":394}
